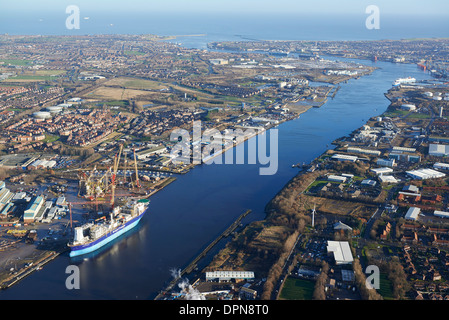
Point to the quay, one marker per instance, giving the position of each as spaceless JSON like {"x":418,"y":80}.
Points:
{"x":193,"y":264}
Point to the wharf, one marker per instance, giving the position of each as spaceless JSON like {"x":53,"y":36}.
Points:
{"x":194,"y":263}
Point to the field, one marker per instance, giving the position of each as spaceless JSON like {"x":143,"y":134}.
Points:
{"x":385,"y":287}
{"x":35,"y":76}
{"x":297,"y":289}
{"x":109,"y":93}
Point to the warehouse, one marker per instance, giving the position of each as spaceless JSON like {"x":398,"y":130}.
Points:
{"x":412,"y":213}
{"x":382,"y":171}
{"x":387,"y":179}
{"x":386,"y":162}
{"x":441,"y":214}
{"x":424,"y":174}
{"x":33,"y":208}
{"x":441,"y":166}
{"x":341,"y":251}
{"x":438,"y":150}
{"x":342,"y":157}
{"x":41,"y":164}
{"x":334,"y":178}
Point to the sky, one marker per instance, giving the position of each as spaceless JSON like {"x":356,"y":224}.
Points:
{"x":324,"y":7}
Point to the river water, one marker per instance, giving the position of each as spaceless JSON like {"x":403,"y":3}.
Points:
{"x":191,"y":212}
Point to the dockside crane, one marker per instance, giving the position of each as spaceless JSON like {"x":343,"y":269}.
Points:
{"x":136,"y":182}
{"x":114,"y":175}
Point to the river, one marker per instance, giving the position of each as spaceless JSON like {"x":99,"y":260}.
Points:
{"x":191,"y":212}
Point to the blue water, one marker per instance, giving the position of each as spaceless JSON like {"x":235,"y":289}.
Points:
{"x":221,"y":26}
{"x":187,"y":215}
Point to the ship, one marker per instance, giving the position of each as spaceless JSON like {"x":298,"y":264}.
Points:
{"x":400,"y":81}
{"x":94,"y":235}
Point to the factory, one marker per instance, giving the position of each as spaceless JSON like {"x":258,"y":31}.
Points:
{"x":31,"y":212}
{"x":412,"y":213}
{"x":438,"y":150}
{"x":41,"y":164}
{"x":42,"y":115}
{"x":342,"y":157}
{"x":382,"y":171}
{"x":341,"y":252}
{"x":424,"y":174}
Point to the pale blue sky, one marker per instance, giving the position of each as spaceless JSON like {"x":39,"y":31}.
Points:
{"x":399,"y":7}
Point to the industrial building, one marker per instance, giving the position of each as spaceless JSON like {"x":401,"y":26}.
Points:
{"x":337,"y":178}
{"x":387,"y":179}
{"x":441,"y":166}
{"x":41,"y":164}
{"x":32,"y":210}
{"x":364,"y":151}
{"x":341,"y":252}
{"x":424,"y":174}
{"x":438,"y":150}
{"x":386,"y":162}
{"x":441,"y":214}
{"x":381,"y":171}
{"x":342,"y":157}
{"x":412,"y":213}
{"x":229,"y":275}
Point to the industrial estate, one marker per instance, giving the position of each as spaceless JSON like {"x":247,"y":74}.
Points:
{"x":85,"y":124}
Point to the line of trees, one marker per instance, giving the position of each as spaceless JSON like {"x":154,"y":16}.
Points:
{"x":360,"y":279}
{"x":319,"y":292}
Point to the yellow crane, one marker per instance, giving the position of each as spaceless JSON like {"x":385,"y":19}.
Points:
{"x":114,"y":175}
{"x":137,"y":183}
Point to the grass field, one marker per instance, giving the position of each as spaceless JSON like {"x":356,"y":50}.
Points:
{"x":386,"y":288}
{"x":297,"y":289}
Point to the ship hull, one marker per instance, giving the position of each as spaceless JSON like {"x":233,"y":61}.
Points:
{"x":97,"y":244}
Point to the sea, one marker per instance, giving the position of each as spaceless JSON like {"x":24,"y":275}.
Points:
{"x":190,"y":213}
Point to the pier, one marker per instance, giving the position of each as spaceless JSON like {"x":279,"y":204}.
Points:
{"x":194,"y":263}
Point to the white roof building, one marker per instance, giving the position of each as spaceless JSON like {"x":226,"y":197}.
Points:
{"x":387,"y":179}
{"x":424,"y":174}
{"x":336,"y":178}
{"x":341,"y":251}
{"x":343,"y":157}
{"x":381,"y":171}
{"x":386,"y":162}
{"x":442,"y":166}
{"x":438,"y":150}
{"x":441,"y":214}
{"x":412,"y":213}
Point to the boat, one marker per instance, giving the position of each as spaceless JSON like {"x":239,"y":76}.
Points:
{"x":400,"y":81}
{"x":94,"y":235}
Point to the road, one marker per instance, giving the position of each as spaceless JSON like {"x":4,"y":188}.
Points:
{"x":374,"y":217}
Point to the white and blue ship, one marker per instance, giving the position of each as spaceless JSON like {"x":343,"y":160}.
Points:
{"x":94,"y":235}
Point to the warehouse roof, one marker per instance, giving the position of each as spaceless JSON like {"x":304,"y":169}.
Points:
{"x":341,"y":250}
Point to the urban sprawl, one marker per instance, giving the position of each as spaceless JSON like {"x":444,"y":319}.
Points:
{"x":87,"y":118}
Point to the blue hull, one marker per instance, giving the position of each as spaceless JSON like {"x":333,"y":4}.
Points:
{"x":97,"y":244}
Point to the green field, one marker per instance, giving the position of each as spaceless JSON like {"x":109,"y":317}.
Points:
{"x":16,"y":62}
{"x":386,"y":288}
{"x":297,"y":289}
